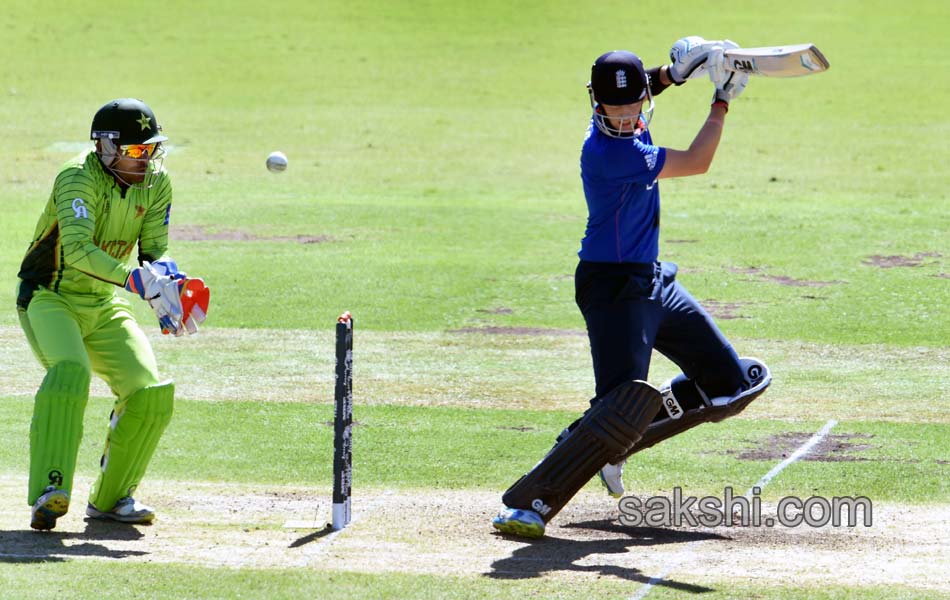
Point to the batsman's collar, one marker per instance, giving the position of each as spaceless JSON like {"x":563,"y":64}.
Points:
{"x":618,"y":78}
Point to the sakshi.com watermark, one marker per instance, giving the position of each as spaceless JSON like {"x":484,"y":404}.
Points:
{"x":732,"y":510}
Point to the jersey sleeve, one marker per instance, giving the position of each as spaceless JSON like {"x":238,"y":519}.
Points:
{"x":634,"y":161}
{"x":78,"y":204}
{"x":153,"y":240}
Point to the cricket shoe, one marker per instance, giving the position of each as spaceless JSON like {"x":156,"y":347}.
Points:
{"x":612,"y":478}
{"x":126,"y":510}
{"x":51,"y":505}
{"x":520,"y":522}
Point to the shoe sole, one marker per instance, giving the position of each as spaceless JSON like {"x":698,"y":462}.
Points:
{"x":526,"y":530}
{"x":45,"y":515}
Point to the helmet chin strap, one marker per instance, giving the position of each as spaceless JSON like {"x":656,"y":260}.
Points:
{"x":116,"y":173}
{"x":647,"y":115}
{"x":601,"y":119}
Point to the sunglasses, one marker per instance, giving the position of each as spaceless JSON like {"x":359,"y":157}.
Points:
{"x":137,"y":150}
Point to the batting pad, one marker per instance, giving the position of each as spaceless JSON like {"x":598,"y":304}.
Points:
{"x":757,"y":377}
{"x":56,"y":429}
{"x":136,"y":426}
{"x":608,"y":430}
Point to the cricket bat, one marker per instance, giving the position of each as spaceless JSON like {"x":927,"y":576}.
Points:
{"x":777,"y":61}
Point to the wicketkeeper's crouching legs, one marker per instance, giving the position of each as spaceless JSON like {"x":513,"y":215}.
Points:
{"x":135,"y":428}
{"x":607,"y":431}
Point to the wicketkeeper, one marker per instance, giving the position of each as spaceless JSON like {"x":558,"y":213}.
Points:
{"x":631,"y":302}
{"x":105,"y":203}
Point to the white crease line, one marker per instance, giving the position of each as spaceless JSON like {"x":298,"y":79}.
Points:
{"x":802,"y":451}
{"x":687,"y":551}
{"x":320,"y":545}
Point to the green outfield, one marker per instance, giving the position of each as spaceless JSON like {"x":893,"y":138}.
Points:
{"x":433,"y":191}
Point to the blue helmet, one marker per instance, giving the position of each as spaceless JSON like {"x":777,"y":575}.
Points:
{"x":617,"y":78}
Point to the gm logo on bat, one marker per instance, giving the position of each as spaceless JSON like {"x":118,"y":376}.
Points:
{"x":743,"y":66}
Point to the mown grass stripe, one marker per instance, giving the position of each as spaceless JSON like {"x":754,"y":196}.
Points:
{"x":688,"y":550}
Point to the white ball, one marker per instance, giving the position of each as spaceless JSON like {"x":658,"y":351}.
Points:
{"x":276,"y":162}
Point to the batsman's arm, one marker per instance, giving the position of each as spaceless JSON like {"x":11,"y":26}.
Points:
{"x":659,"y":79}
{"x":696,"y":160}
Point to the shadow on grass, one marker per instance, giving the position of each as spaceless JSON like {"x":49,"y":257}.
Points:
{"x":550,"y":554}
{"x":311,"y":537}
{"x":29,"y":546}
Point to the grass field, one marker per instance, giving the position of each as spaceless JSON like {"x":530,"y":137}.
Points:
{"x":433,"y":190}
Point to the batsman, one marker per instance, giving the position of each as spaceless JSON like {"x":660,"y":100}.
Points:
{"x":631,"y":302}
{"x":105,"y":203}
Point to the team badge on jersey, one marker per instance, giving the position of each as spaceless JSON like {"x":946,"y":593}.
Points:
{"x":650,"y":158}
{"x":79,"y":209}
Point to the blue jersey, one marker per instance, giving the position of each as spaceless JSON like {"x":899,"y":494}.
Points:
{"x":623,"y":198}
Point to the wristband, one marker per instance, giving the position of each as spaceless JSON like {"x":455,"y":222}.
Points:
{"x":722,"y":103}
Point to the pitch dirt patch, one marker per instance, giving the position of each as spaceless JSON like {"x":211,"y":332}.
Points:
{"x":500,"y":310}
{"x":724,"y":310}
{"x":550,"y":372}
{"x":782,"y":279}
{"x":521,"y":428}
{"x":530,"y":331}
{"x":832,"y":448}
{"x":449,"y":533}
{"x":889,"y":262}
{"x":197,"y":233}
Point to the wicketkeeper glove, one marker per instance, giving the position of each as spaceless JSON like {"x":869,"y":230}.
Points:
{"x":195,"y":296}
{"x":167,"y":266}
{"x":162,"y":294}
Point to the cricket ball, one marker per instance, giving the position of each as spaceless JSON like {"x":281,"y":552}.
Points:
{"x":276,"y":162}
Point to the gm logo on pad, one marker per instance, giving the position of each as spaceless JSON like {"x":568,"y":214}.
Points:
{"x":540,"y":507}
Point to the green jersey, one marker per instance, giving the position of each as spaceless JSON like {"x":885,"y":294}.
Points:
{"x":86,"y":234}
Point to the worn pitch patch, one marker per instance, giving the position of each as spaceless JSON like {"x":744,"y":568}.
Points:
{"x":500,"y":371}
{"x":449,"y":533}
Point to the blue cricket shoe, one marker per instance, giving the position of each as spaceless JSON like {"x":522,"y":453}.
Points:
{"x":520,"y":522}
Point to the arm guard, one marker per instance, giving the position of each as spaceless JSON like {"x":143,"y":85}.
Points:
{"x":656,"y":84}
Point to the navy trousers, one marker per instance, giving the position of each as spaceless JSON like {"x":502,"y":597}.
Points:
{"x":632,"y":308}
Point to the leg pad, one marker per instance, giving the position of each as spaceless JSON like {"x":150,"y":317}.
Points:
{"x":757,"y":379}
{"x":135,"y":428}
{"x":608,"y":430}
{"x":56,"y":428}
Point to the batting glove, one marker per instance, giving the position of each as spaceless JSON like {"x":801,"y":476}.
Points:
{"x":689,"y":56}
{"x":729,"y":84}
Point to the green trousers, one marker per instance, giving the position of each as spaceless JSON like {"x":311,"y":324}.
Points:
{"x":91,"y":335}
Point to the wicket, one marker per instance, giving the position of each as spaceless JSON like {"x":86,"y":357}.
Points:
{"x":343,"y":423}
